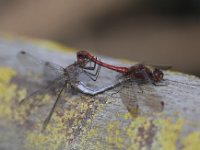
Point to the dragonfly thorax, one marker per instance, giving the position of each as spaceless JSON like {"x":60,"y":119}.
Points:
{"x":142,"y":72}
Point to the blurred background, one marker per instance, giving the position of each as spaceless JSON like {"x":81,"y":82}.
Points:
{"x":160,"y":32}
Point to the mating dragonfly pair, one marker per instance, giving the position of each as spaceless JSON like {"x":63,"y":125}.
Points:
{"x":129,"y":83}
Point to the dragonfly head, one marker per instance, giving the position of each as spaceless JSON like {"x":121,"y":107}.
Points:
{"x":157,"y":75}
{"x":82,"y":58}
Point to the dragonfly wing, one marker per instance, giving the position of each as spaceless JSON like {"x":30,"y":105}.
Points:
{"x":36,"y":92}
{"x":35,"y":65}
{"x":150,"y":100}
{"x":162,"y":67}
{"x":141,"y":94}
{"x":38,"y":105}
{"x":129,"y":97}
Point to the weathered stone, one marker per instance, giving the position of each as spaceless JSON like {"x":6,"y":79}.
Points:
{"x":85,"y":122}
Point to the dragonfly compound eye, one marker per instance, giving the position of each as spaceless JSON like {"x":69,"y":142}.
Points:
{"x":158,"y":75}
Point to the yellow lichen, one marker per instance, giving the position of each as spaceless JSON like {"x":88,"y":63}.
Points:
{"x":41,"y":43}
{"x":114,"y":137}
{"x":134,"y":136}
{"x":192,"y":141}
{"x":92,"y":134}
{"x":6,"y":74}
{"x":56,"y":133}
{"x":83,"y":107}
{"x":18,"y":111}
{"x":126,"y":116}
{"x":132,"y":131}
{"x":53,"y":137}
{"x":167,"y":134}
{"x":7,"y":92}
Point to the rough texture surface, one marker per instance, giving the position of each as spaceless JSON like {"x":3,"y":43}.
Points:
{"x":84,"y":122}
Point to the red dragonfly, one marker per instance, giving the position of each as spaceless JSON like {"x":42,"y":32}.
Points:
{"x":139,"y":71}
{"x":136,"y":79}
{"x":135,"y":76}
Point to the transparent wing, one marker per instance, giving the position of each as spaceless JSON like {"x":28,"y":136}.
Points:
{"x":162,"y":67}
{"x":36,"y":93}
{"x":35,"y":65}
{"x":150,"y":98}
{"x":41,"y":103}
{"x":129,"y":97}
{"x":141,"y":94}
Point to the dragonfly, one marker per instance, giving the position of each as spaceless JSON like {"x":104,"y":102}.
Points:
{"x":133,"y":81}
{"x":136,"y":83}
{"x":58,"y":78}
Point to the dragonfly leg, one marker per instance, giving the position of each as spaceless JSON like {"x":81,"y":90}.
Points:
{"x":39,"y":91}
{"x":93,"y":76}
{"x":53,"y":108}
{"x":91,"y":67}
{"x":117,"y":91}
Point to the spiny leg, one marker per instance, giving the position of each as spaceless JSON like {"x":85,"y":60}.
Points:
{"x":53,"y":108}
{"x":117,"y":91}
{"x":91,"y":67}
{"x":93,"y":76}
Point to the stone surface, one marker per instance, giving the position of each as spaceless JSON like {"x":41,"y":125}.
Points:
{"x":85,"y":122}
